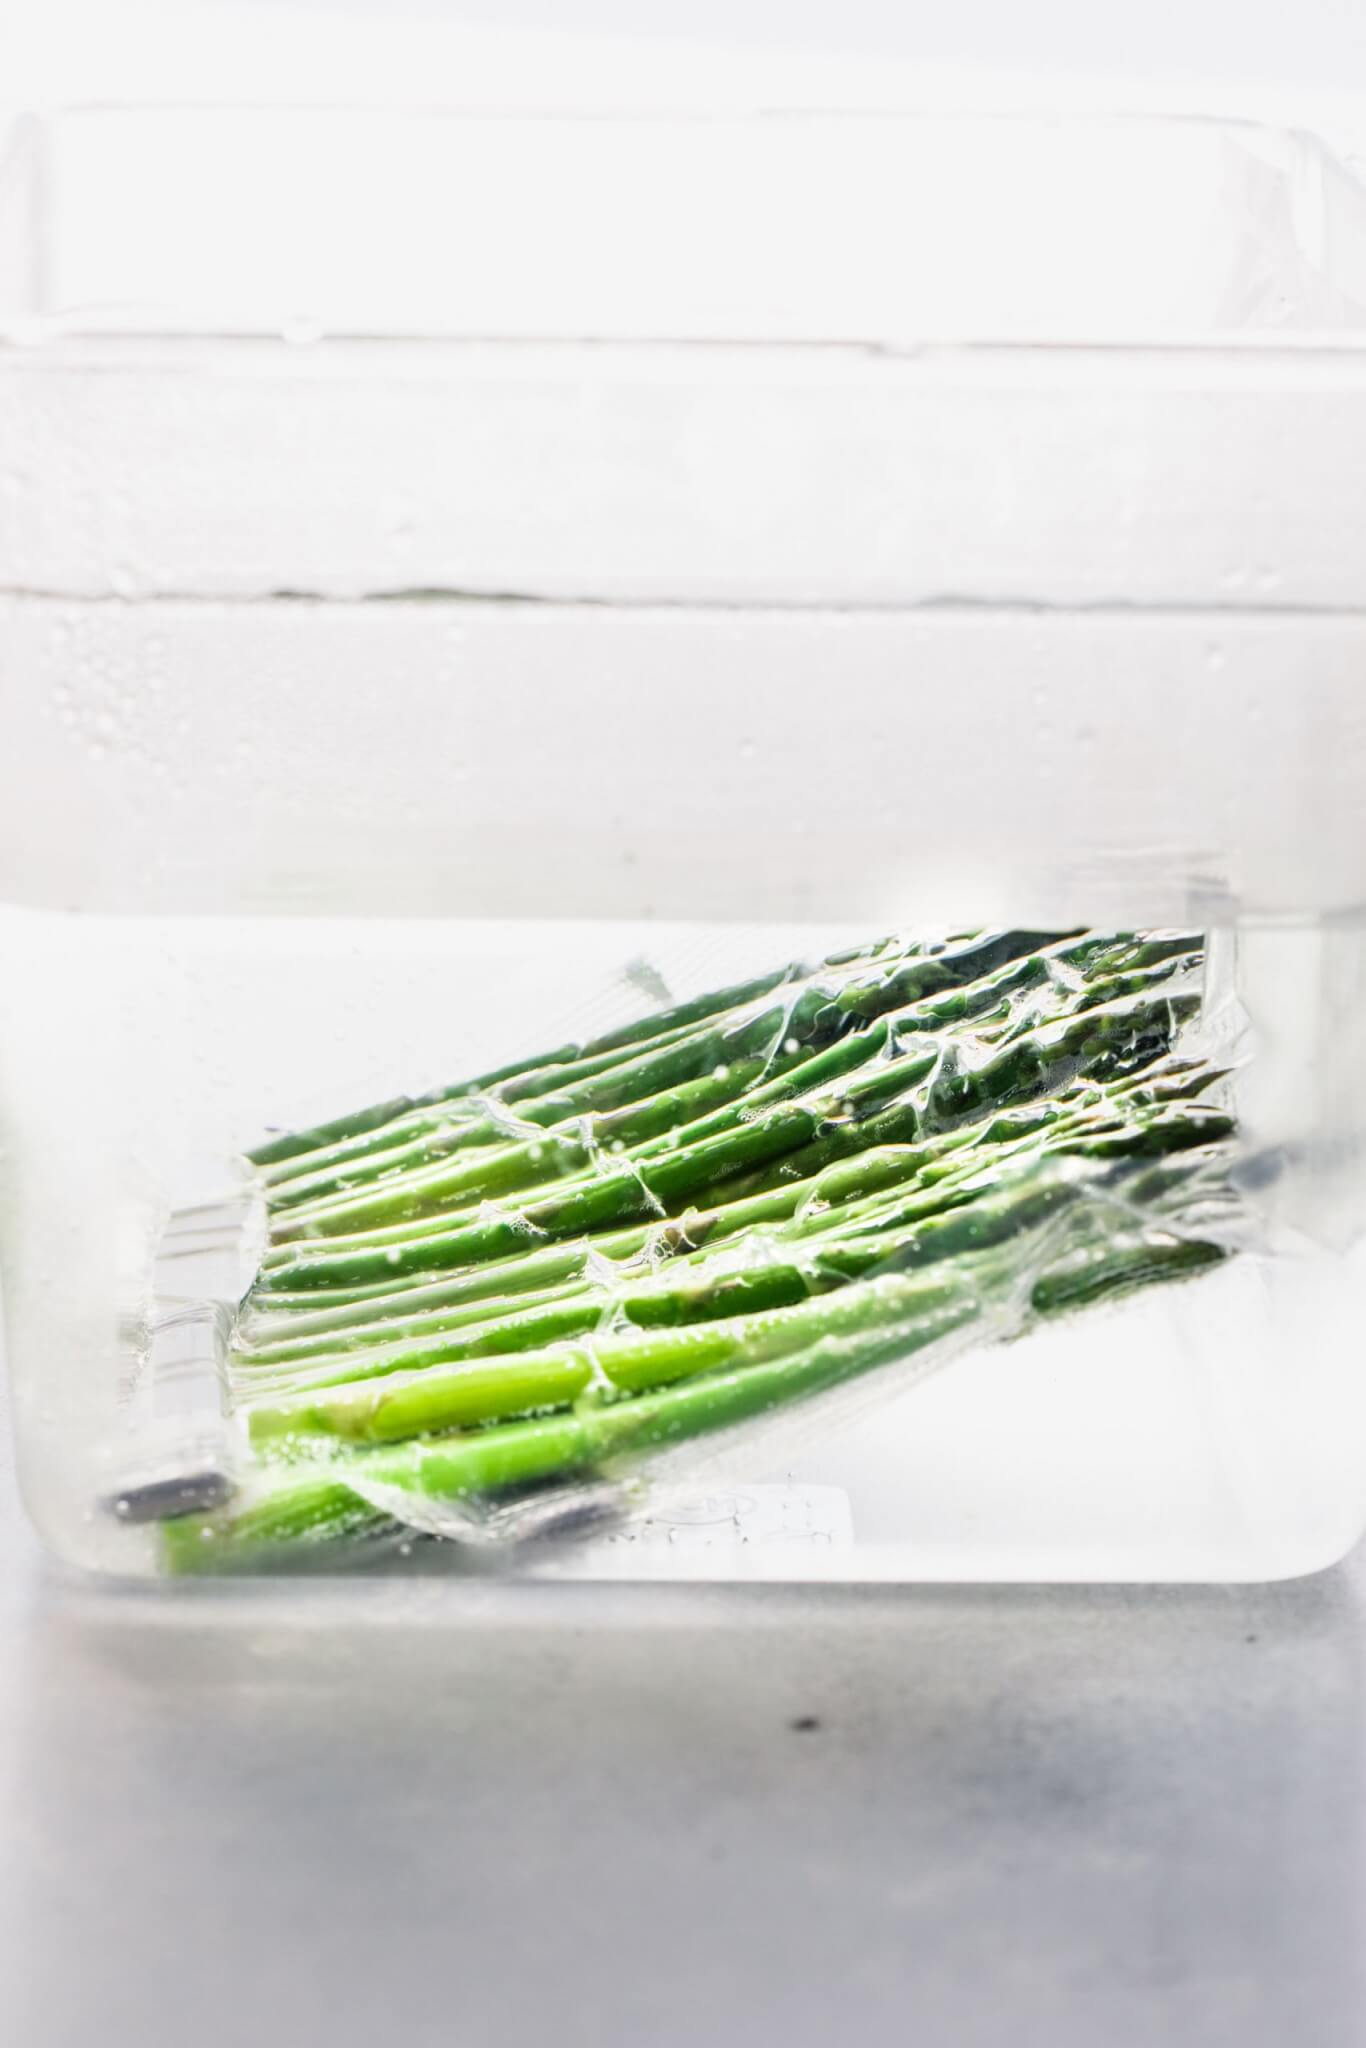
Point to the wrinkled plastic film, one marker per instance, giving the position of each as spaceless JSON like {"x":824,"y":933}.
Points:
{"x":491,"y":1313}
{"x":175,"y":1450}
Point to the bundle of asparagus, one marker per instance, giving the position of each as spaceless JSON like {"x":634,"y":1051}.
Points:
{"x":730,"y":1205}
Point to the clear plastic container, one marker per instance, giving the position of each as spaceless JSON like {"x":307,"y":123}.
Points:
{"x":466,"y":581}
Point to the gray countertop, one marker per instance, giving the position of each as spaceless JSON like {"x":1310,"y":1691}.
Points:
{"x":459,"y":1813}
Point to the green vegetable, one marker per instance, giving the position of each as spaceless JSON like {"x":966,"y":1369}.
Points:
{"x":737,"y":1203}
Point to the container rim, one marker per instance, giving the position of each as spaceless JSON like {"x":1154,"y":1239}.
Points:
{"x":39,"y":337}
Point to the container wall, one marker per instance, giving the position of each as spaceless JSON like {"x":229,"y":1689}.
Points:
{"x":552,"y":819}
{"x":413,"y":658}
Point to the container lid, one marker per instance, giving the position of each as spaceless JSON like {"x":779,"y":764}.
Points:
{"x":889,"y":230}
{"x":789,"y":359}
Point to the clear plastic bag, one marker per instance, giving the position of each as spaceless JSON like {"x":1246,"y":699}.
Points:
{"x":481,"y":1314}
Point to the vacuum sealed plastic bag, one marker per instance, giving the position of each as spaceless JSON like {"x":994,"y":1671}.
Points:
{"x":537,"y":1278}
